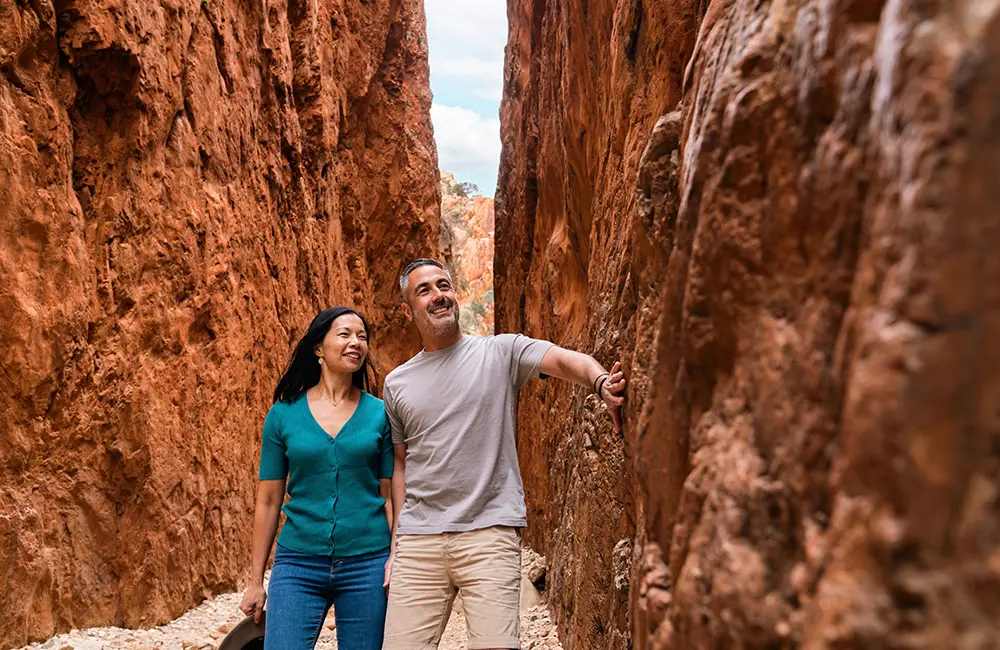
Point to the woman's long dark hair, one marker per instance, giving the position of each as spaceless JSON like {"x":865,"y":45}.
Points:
{"x":303,"y":371}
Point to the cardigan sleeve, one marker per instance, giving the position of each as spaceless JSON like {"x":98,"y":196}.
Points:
{"x":273,"y":459}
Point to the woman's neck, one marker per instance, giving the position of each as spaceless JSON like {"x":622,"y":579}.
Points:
{"x":335,"y":386}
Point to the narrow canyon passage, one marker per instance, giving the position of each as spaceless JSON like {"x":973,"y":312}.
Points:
{"x":780,"y":216}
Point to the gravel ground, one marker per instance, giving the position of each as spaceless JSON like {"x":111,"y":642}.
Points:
{"x":204,"y":627}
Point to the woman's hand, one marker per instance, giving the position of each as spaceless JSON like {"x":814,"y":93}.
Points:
{"x":253,"y":602}
{"x":388,"y":571}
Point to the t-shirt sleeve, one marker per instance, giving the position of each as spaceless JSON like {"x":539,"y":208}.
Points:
{"x":395,"y":423}
{"x":273,"y":460}
{"x":526,"y":354}
{"x":386,"y":457}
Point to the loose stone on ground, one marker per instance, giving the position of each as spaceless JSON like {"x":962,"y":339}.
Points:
{"x":204,"y":627}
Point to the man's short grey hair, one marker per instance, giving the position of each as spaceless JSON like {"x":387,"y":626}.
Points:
{"x":404,"y":279}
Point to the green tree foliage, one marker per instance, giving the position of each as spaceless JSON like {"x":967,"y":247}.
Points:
{"x":463,"y":189}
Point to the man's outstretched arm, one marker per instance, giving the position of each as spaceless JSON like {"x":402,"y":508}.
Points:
{"x":583,"y":369}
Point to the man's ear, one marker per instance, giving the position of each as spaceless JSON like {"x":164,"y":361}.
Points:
{"x":407,"y":311}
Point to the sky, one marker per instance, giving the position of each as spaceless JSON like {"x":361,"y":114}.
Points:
{"x":466,"y":39}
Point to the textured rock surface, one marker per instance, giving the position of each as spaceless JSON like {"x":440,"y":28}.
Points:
{"x":467,"y":246}
{"x":783,"y":217}
{"x":183,"y":184}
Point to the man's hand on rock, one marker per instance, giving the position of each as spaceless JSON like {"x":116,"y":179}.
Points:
{"x":253,"y":602}
{"x":613,"y":393}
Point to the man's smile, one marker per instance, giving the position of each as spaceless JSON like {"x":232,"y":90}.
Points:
{"x":437,"y":310}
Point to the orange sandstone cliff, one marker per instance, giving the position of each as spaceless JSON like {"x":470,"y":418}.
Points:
{"x":467,"y":247}
{"x":183,"y":185}
{"x":782,"y":218}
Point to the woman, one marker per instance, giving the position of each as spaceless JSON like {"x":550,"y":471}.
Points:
{"x":328,"y":437}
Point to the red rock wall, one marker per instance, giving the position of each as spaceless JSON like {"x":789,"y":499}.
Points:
{"x":183,"y":185}
{"x":783,"y":218}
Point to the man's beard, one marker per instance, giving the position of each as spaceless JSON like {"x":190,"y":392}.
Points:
{"x":445,"y":327}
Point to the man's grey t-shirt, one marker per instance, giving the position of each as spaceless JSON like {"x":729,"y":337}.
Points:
{"x":456,"y":411}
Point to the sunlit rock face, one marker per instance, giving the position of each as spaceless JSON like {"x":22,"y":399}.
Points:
{"x":782,"y":218}
{"x":467,"y":245}
{"x":184,"y":184}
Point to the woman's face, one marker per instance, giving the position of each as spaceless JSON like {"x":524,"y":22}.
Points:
{"x":346,"y":344}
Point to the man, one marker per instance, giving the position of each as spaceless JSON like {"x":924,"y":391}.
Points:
{"x":452,"y":409}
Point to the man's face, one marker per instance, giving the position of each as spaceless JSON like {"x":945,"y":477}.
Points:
{"x":431,"y":301}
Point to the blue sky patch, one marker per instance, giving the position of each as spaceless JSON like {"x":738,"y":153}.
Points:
{"x":466,"y":40}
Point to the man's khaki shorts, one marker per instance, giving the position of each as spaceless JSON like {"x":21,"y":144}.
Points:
{"x":427,"y":572}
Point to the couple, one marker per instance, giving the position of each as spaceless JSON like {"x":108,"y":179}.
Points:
{"x":396,"y":506}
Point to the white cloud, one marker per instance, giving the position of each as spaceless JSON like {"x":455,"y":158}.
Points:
{"x":466,"y":66}
{"x":475,"y":77}
{"x":466,"y":40}
{"x":466,"y":46}
{"x":475,"y":28}
{"x":468,"y":143}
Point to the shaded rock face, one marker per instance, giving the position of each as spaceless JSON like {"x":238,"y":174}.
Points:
{"x":467,"y":247}
{"x":183,"y":185}
{"x":783,"y":219}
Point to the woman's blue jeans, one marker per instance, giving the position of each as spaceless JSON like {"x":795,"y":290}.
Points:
{"x":302,"y":589}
